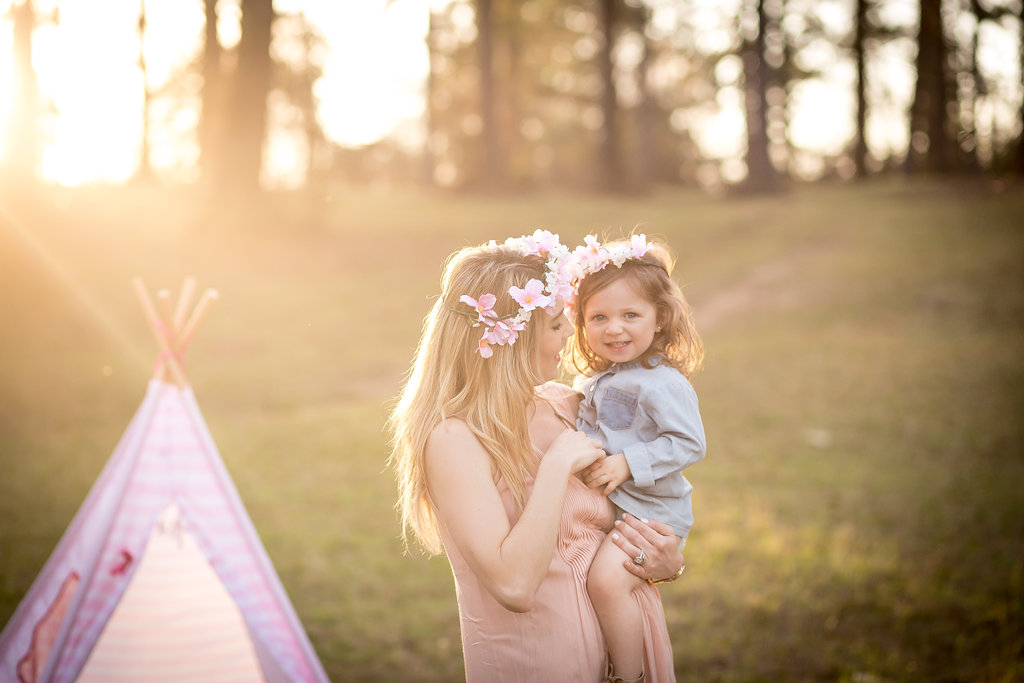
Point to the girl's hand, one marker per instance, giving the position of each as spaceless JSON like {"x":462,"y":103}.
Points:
{"x":576,"y":449}
{"x":608,"y":473}
{"x":662,"y":558}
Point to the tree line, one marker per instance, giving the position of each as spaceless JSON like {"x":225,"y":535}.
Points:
{"x":595,"y":94}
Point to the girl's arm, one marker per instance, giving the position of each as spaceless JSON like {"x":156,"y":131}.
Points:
{"x":511,"y":560}
{"x":680,"y":441}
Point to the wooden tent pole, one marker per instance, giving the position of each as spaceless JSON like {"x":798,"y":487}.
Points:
{"x":186,"y":333}
{"x":183,"y":334}
{"x":158,"y":329}
{"x":163,"y":300}
{"x":188,"y":290}
{"x":175,"y":322}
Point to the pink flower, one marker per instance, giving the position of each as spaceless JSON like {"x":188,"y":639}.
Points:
{"x":504,"y":332}
{"x":543,"y":241}
{"x":591,"y":256}
{"x":484,"y":345}
{"x":484,"y":305}
{"x":638,"y":245}
{"x":560,"y":284}
{"x":531,"y":296}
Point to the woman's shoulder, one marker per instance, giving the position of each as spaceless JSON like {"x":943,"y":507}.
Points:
{"x":449,"y":431}
{"x":562,"y":398}
{"x":455,"y":462}
{"x":554,"y":391}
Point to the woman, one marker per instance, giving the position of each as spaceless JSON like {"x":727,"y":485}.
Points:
{"x":485,"y":453}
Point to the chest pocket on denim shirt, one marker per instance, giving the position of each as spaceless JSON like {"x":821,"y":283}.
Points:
{"x":617,"y":409}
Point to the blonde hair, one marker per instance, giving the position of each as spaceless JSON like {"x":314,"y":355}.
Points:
{"x":677,"y":343}
{"x":448,"y":378}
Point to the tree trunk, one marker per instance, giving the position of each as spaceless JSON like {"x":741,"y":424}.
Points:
{"x":491,"y":166}
{"x":929,"y":141}
{"x":23,"y":135}
{"x":248,"y":120}
{"x":969,"y":108}
{"x":646,"y":108}
{"x":1020,"y":139}
{"x":515,"y":155}
{"x":860,"y":147}
{"x":145,"y":172}
{"x":610,"y":172}
{"x":429,"y":159}
{"x":212,"y":113}
{"x":761,"y":174}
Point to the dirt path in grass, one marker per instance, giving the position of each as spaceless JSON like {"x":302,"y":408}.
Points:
{"x":774,"y":285}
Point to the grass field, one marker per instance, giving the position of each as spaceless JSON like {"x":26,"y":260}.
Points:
{"x":860,"y":513}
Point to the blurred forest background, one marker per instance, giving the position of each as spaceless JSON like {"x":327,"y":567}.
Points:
{"x":608,"y":95}
{"x":841,"y":180}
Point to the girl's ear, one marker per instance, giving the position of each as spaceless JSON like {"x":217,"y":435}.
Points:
{"x":662,"y":317}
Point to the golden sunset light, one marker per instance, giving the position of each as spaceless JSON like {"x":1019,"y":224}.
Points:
{"x":511,"y":340}
{"x":88,"y":69}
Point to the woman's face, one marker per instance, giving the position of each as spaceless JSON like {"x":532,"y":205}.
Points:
{"x":557,"y":329}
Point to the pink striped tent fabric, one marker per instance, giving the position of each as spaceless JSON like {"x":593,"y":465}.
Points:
{"x":165,"y":511}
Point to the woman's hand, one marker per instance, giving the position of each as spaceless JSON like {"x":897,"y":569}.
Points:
{"x":576,"y":449}
{"x":658,"y":542}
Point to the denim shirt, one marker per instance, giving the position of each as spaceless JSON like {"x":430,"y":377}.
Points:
{"x":651,"y":416}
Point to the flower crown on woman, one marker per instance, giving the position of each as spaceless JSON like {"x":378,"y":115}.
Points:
{"x":557,"y":286}
{"x":564,"y":270}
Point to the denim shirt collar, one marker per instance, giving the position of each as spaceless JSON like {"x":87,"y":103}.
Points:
{"x":631,"y":365}
{"x":655,"y":362}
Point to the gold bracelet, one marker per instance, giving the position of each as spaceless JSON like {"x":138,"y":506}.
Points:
{"x":655,"y":582}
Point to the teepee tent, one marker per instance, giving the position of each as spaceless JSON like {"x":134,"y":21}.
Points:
{"x":161,"y":576}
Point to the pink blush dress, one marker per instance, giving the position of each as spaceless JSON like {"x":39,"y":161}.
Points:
{"x":560,"y":639}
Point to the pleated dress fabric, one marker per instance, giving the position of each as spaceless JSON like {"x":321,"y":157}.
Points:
{"x":559,"y":639}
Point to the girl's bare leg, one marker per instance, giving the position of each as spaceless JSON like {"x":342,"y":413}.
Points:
{"x":611,"y":591}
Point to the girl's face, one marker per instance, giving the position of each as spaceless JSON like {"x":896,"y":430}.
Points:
{"x":620,"y":323}
{"x":557,"y":329}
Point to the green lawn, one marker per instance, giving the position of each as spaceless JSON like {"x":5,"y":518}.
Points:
{"x":860,"y":513}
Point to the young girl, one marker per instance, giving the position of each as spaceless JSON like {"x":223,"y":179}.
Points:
{"x":636,"y":344}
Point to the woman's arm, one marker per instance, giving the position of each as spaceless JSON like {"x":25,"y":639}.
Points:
{"x":510,"y":560}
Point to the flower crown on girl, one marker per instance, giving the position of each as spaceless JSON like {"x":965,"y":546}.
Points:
{"x":591,"y":257}
{"x":563,"y":272}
